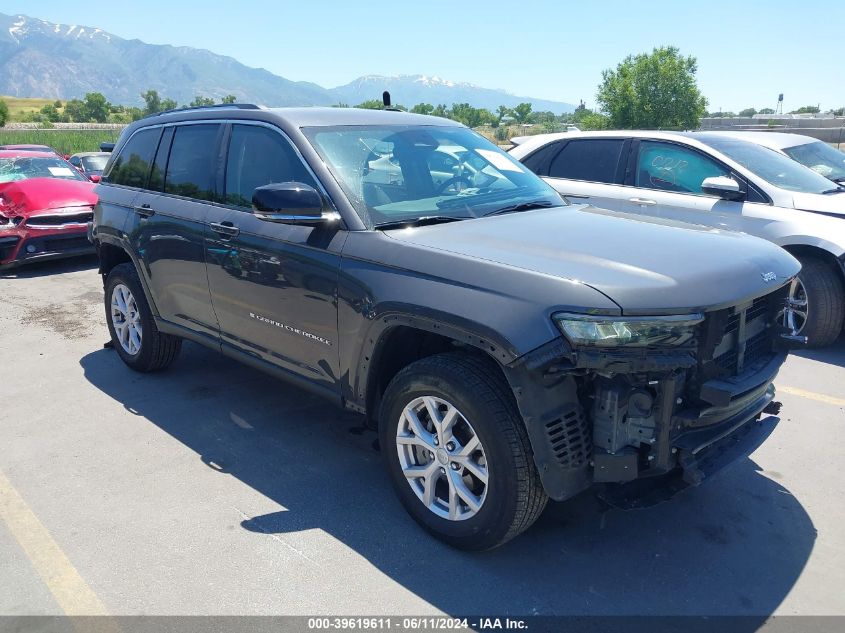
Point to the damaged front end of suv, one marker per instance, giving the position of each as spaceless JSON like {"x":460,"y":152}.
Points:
{"x":663,"y":401}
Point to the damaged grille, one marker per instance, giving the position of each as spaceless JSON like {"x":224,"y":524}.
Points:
{"x":738,"y":338}
{"x":569,"y":438}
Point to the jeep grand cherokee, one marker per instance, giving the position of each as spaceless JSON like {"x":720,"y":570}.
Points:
{"x":507,"y":347}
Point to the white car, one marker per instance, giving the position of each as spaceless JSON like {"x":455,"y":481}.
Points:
{"x":715,"y":180}
{"x":810,"y":152}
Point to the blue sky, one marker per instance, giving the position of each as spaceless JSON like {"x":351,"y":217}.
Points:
{"x":747,"y":52}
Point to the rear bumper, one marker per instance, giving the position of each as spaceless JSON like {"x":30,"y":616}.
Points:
{"x":22,"y":247}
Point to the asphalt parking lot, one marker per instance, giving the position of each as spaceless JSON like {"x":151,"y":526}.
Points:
{"x":214,"y":489}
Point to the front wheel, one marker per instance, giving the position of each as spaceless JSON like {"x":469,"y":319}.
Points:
{"x":457,"y":452}
{"x":816,"y":306}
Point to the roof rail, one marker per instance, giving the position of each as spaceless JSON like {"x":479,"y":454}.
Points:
{"x":240,"y":106}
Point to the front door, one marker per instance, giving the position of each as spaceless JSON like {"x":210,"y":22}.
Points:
{"x":667,"y":180}
{"x":273,"y":286}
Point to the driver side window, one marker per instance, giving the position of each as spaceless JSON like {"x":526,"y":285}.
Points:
{"x":260,"y":156}
{"x":670,"y":167}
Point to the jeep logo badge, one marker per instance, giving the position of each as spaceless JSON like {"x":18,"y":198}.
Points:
{"x":767,"y":277}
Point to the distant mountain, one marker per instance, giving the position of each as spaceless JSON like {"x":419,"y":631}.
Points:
{"x":64,"y":61}
{"x":409,"y":90}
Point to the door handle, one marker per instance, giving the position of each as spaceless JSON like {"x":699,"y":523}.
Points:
{"x":144,"y":210}
{"x":225,"y":228}
{"x":644,"y":202}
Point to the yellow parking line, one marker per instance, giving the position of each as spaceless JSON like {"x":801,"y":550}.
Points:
{"x":811,"y":395}
{"x":72,"y":593}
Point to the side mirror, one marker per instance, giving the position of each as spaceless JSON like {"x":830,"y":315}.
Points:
{"x":289,"y":203}
{"x":723,"y":187}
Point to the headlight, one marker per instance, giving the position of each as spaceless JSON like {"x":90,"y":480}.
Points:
{"x":600,"y":331}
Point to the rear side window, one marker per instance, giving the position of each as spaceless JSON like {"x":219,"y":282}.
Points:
{"x":192,"y":162}
{"x":259,"y":156}
{"x":132,"y":166}
{"x":595,"y":160}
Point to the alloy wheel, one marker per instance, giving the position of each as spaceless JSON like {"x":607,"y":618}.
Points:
{"x":442,"y":458}
{"x":126,"y":319}
{"x":794,"y":315}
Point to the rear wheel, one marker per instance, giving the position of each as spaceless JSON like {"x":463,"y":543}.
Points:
{"x":458,"y":453}
{"x":816,"y":303}
{"x":133,"y":331}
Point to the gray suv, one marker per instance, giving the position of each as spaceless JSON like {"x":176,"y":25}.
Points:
{"x":506,"y":348}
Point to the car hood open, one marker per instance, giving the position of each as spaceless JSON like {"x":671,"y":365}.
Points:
{"x":646,"y":266}
{"x":39,"y":195}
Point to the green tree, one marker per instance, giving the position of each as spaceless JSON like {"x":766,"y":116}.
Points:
{"x":522,"y":113}
{"x":4,"y":113}
{"x":501,"y":113}
{"x":75,"y":110}
{"x":748,"y":112}
{"x":168,"y":104}
{"x":806,"y":110}
{"x":229,"y":99}
{"x":97,"y":108}
{"x":50,"y":113}
{"x":152,"y":101}
{"x":586,"y":119}
{"x":371,"y":104}
{"x":766,"y":111}
{"x":200,"y":101}
{"x":470,"y":116}
{"x":656,"y":90}
{"x":839,"y":112}
{"x":57,"y":104}
{"x":423,"y":108}
{"x":440,"y":110}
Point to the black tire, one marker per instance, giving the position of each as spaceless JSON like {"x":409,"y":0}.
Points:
{"x":157,"y":350}
{"x":515,"y":497}
{"x":825,"y":301}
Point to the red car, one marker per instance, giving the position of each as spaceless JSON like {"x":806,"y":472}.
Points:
{"x":45,"y":206}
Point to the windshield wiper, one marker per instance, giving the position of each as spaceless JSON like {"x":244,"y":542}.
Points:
{"x":422,"y":221}
{"x":839,"y":180}
{"x":839,"y":189}
{"x":522,"y":206}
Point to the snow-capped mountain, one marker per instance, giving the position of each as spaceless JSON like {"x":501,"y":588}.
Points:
{"x":408,"y":90}
{"x":63,"y":61}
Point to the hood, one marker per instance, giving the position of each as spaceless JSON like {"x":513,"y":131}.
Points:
{"x":36,"y":195}
{"x":829,"y":204}
{"x":649,"y":266}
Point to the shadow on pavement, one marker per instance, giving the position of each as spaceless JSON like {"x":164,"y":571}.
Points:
{"x":734,"y":546}
{"x":832,"y":355}
{"x":51,"y":267}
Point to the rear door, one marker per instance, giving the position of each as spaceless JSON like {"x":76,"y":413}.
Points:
{"x":170,"y":220}
{"x":273,"y":286}
{"x":586,"y":170}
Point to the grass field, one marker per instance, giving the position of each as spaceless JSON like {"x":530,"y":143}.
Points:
{"x":66,"y":141}
{"x":18,"y":106}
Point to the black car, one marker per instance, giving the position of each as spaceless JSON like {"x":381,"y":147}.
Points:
{"x":507,"y":347}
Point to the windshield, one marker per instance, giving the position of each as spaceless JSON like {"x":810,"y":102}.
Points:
{"x":772,"y":166}
{"x":94,"y":163}
{"x":821,"y":158}
{"x":22,"y":168}
{"x":398,"y":173}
